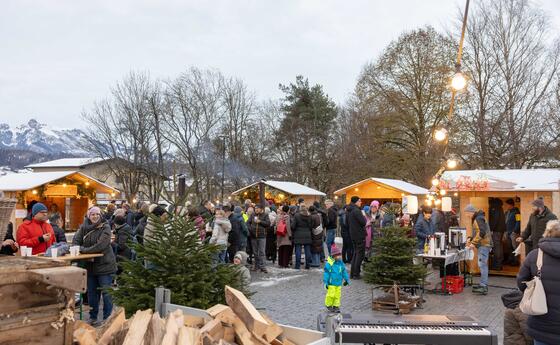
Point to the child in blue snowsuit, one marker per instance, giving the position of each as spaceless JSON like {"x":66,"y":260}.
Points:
{"x":334,"y":277}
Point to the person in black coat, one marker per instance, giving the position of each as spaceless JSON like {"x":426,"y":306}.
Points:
{"x":347,"y":247}
{"x":497,"y":222}
{"x":357,"y":227}
{"x":56,"y":223}
{"x":123,"y":234}
{"x":9,"y":245}
{"x":301,"y":235}
{"x":545,"y":329}
{"x":234,"y":235}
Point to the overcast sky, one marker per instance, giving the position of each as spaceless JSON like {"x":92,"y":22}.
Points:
{"x":57,"y":57}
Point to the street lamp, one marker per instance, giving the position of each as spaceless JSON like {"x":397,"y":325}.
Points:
{"x":458,"y":82}
{"x":440,"y":134}
{"x":452,"y":163}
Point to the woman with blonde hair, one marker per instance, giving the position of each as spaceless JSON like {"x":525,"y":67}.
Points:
{"x":545,"y":329}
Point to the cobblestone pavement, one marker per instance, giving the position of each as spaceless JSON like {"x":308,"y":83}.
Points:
{"x":296,"y":297}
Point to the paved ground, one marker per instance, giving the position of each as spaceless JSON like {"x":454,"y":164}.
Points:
{"x":296,"y":298}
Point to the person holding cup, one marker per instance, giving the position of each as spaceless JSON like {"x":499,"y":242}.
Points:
{"x":36,"y":233}
{"x":94,"y":236}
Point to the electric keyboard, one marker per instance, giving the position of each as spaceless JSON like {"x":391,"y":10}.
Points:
{"x":408,"y":329}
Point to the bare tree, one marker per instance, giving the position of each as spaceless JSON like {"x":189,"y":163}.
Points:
{"x":121,"y":131}
{"x":513,"y":67}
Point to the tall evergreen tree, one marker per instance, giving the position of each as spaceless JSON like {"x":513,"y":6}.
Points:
{"x":306,"y":132}
{"x":393,"y":261}
{"x":180,"y":263}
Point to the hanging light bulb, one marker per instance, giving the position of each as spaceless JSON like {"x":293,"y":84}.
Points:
{"x":440,"y":134}
{"x":455,"y":194}
{"x":437,"y":201}
{"x":34,"y":192}
{"x":458,"y":81}
{"x":452,"y":163}
{"x":443,"y":192}
{"x":435,"y":182}
{"x":87,"y":183}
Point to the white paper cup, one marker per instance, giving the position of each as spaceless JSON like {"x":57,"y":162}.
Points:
{"x":29,"y":251}
{"x":76,"y":250}
{"x":54,"y":252}
{"x":23,"y":250}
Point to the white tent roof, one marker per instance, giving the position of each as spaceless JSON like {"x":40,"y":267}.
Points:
{"x":504,"y":180}
{"x":66,"y":163}
{"x":403,"y":186}
{"x":30,"y":180}
{"x":292,"y":188}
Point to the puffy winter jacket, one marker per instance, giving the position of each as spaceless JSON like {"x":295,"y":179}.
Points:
{"x":515,"y":328}
{"x":301,"y":229}
{"x":30,"y":233}
{"x":316,"y":240}
{"x":356,"y":222}
{"x":423,"y":228}
{"x":220,"y":232}
{"x":335,"y":272}
{"x":123,"y":234}
{"x":96,"y":238}
{"x":544,"y":328}
{"x":332,"y":214}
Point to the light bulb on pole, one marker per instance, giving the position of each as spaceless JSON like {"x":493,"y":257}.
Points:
{"x":435,"y":182}
{"x":458,"y":81}
{"x":452,"y":163}
{"x":440,"y":134}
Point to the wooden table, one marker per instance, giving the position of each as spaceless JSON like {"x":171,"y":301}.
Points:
{"x":72,"y":258}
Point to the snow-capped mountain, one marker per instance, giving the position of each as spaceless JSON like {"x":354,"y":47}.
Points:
{"x":35,"y":142}
{"x":40,"y":138}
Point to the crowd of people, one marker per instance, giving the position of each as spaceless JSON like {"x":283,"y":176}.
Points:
{"x":251,"y":235}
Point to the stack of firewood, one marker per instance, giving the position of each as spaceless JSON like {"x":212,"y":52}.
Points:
{"x":237,"y":323}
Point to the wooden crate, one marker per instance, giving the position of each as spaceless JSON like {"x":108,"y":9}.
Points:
{"x":38,"y":300}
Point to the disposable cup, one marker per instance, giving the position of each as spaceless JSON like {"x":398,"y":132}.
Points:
{"x":76,"y":250}
{"x":54,"y":252}
{"x":29,"y":251}
{"x":23,"y":250}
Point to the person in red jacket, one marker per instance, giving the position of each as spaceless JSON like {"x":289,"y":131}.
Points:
{"x":36,"y":233}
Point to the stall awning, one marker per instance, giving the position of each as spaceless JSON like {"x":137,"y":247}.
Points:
{"x":291,"y":188}
{"x":26,"y":181}
{"x":401,"y":186}
{"x":502,"y":180}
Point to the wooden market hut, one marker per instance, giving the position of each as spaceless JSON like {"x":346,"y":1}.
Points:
{"x":477,"y":187}
{"x":279,"y":191}
{"x":381,"y":189}
{"x":72,"y":192}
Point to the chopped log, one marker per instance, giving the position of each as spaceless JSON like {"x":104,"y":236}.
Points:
{"x":194,"y":321}
{"x":246,"y":311}
{"x":227,"y":316}
{"x":175,"y":321}
{"x":242,"y":334}
{"x":224,"y":342}
{"x":229,"y":333}
{"x":213,"y":328}
{"x":276,"y":342}
{"x":111,"y":326}
{"x":273,"y":331}
{"x":287,"y":341}
{"x":120,"y":335}
{"x":156,"y":330}
{"x":84,"y":336}
{"x":81,"y":324}
{"x":217,"y":309}
{"x":189,"y":336}
{"x":138,"y":327}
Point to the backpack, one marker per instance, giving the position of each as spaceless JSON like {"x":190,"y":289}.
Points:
{"x":281,"y":228}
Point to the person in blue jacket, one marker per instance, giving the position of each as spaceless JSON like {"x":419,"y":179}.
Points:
{"x":423,"y":228}
{"x":334,"y":277}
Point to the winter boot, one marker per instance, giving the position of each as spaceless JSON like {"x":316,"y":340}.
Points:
{"x":480,"y":290}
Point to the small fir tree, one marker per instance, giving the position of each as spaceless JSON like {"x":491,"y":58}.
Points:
{"x":180,"y":263}
{"x":394,"y":259}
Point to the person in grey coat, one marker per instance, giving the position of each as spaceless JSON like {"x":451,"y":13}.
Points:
{"x":545,"y":329}
{"x":240,"y":260}
{"x":537,"y":223}
{"x":94,"y":236}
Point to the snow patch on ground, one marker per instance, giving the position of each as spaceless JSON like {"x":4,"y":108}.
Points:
{"x":267,"y":282}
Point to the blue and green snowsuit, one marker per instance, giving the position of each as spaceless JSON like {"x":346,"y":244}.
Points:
{"x":335,"y":274}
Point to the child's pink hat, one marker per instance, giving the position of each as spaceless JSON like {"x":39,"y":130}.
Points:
{"x":335,"y":250}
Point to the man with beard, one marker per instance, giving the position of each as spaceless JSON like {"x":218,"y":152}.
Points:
{"x":536,"y":225}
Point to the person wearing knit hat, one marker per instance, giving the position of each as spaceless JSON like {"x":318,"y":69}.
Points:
{"x":240,"y":260}
{"x":536,"y":225}
{"x":94,"y":237}
{"x":482,"y":240}
{"x":35,"y":232}
{"x":334,"y":277}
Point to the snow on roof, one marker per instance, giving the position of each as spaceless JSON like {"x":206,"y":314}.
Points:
{"x":292,"y":188}
{"x":503,"y":180}
{"x":66,"y":163}
{"x":402,"y":186}
{"x":30,"y":180}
